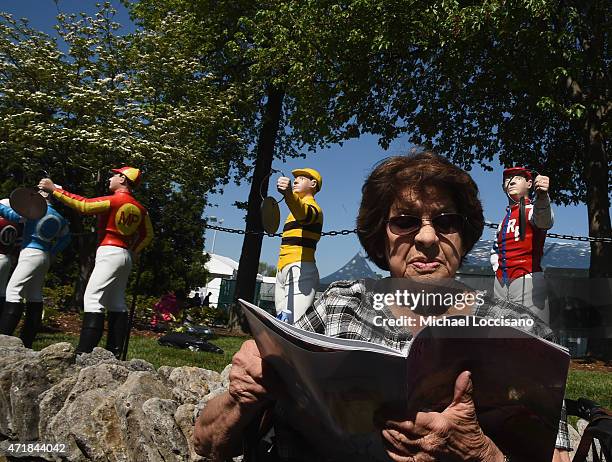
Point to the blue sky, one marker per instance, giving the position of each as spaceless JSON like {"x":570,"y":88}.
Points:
{"x":343,"y":170}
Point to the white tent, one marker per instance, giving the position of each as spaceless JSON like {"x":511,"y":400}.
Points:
{"x":220,"y":267}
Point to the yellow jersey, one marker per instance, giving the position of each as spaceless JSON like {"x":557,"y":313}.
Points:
{"x":301,"y":232}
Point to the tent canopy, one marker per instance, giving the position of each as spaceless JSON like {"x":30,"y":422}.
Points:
{"x":221,"y":266}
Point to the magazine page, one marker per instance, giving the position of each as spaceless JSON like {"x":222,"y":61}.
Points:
{"x":519,"y":382}
{"x":337,"y":389}
{"x":314,"y":338}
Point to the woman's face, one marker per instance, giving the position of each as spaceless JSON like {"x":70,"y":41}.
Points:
{"x":424,"y":254}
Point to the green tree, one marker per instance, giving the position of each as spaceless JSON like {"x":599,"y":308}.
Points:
{"x":269,"y":52}
{"x":265,"y":269}
{"x":527,"y":82}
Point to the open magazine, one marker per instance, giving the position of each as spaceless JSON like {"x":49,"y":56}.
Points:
{"x":336,"y":385}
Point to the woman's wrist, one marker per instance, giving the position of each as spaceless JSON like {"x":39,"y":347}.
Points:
{"x":492,"y":453}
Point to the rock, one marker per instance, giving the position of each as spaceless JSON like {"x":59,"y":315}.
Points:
{"x":185,"y":419}
{"x":167,"y":436}
{"x":29,"y":379}
{"x":136,"y":430}
{"x":51,"y":402}
{"x":94,"y":388}
{"x":102,"y":356}
{"x":102,"y":408}
{"x":213,"y":394}
{"x":58,"y":360}
{"x":58,"y":352}
{"x":225,"y":376}
{"x":574,"y":438}
{"x":204,"y":400}
{"x":189,"y":384}
{"x":164,"y":372}
{"x":12,"y":352}
{"x":8,"y":341}
{"x":8,"y":362}
{"x":139,"y":365}
{"x":106,"y":442}
{"x":97,"y":356}
{"x":581,"y":425}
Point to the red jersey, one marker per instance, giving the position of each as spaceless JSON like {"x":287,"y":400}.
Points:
{"x":122,"y":220}
{"x":9,"y":232}
{"x":510,"y":254}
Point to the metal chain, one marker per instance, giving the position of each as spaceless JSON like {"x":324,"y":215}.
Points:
{"x":240,"y":231}
{"x":567,"y":237}
{"x":346,"y":232}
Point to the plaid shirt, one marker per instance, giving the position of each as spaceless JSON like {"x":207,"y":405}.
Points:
{"x":346,"y":310}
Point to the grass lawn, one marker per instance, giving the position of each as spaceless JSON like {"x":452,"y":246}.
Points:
{"x":596,"y":386}
{"x":149,"y":350}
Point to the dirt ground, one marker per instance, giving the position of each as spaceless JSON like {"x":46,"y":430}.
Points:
{"x":70,"y":323}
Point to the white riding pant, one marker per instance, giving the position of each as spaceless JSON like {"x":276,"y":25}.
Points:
{"x":28,"y":277}
{"x":294,"y":291}
{"x":106,"y":286}
{"x":529,"y":291}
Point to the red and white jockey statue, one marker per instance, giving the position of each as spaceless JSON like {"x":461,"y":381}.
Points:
{"x":519,"y":245}
{"x":124,"y":230}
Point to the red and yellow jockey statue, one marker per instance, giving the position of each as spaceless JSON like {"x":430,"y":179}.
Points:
{"x":124,"y":229}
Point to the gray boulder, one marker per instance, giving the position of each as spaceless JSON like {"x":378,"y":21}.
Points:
{"x":185,"y":419}
{"x":129,"y":401}
{"x":189,"y":384}
{"x":29,"y":378}
{"x":94,"y":385}
{"x":103,"y":409}
{"x":166,"y":435}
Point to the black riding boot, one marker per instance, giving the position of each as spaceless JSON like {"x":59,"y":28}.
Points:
{"x":32,"y":323}
{"x":117,"y":331}
{"x":2,"y":300}
{"x":91,"y":332}
{"x":10,"y":317}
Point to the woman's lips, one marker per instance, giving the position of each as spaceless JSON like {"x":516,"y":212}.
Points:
{"x":425,"y":267}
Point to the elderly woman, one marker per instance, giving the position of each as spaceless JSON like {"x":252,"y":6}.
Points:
{"x":419,"y":216}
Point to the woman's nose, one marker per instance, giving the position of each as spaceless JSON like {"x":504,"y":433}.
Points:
{"x":426,"y":235}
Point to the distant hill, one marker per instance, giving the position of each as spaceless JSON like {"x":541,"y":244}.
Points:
{"x":557,"y":254}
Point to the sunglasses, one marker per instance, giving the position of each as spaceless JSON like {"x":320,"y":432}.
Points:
{"x":445,"y":223}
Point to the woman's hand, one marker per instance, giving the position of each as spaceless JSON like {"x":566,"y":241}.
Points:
{"x":222,"y":424}
{"x":451,"y":435}
{"x":248,"y":386}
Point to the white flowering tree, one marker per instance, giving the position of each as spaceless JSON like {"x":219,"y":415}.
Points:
{"x":89,"y":99}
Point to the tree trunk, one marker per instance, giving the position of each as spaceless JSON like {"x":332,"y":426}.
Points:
{"x":86,"y":251}
{"x":598,"y":204}
{"x":251,"y":245}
